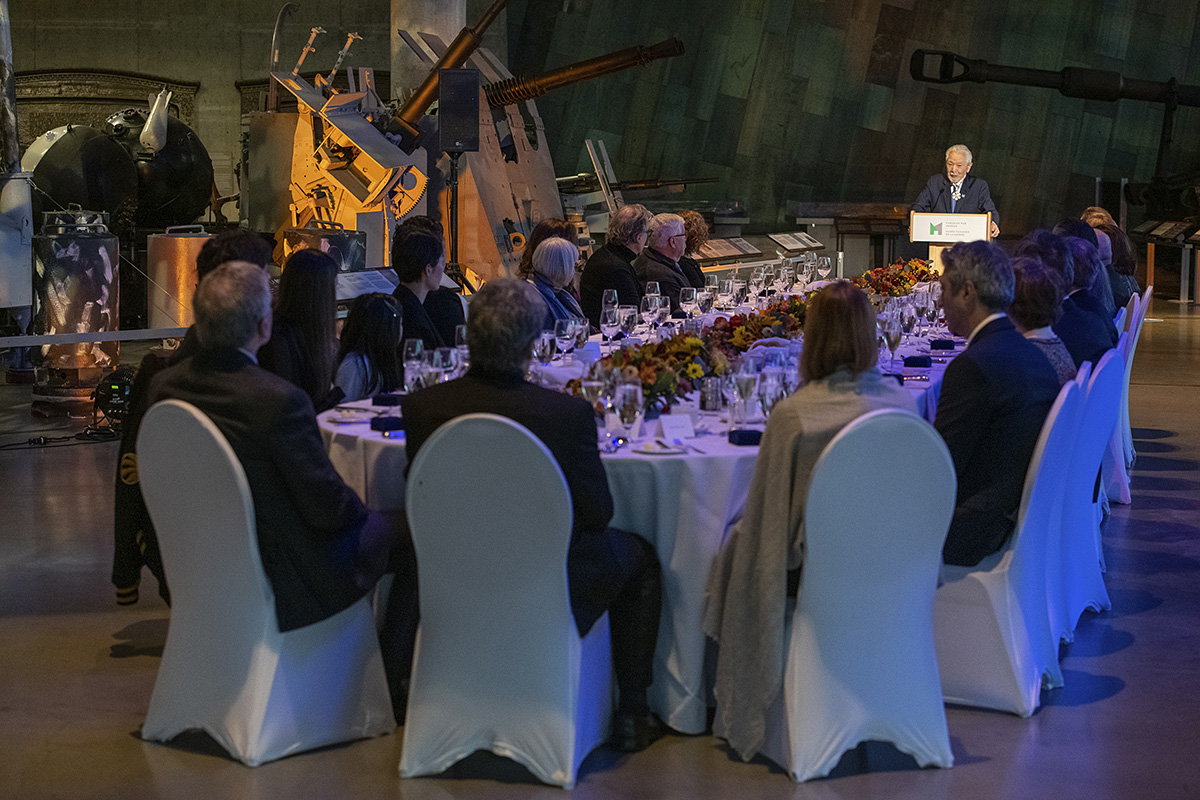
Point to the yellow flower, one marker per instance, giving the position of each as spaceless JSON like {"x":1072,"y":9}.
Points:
{"x":694,"y":370}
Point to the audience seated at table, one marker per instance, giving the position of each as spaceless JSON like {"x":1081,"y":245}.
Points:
{"x":321,"y":549}
{"x":659,"y":261}
{"x":1036,"y":306}
{"x":419,"y":259}
{"x":553,"y":271}
{"x":611,"y":266}
{"x":303,"y":344}
{"x":444,"y":305}
{"x":994,"y":398}
{"x":1081,"y":331}
{"x":607,"y":569}
{"x":748,"y":583}
{"x":696,"y":231}
{"x":368,"y":353}
{"x":1099,"y":296}
{"x":134,"y":542}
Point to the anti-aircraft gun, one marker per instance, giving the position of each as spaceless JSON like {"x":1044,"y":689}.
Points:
{"x":1165,"y":196}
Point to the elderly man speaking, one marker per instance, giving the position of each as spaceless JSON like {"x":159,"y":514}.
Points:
{"x":957,"y":192}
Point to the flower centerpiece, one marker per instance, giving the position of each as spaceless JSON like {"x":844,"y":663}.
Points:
{"x":783,"y":319}
{"x":668,"y":369}
{"x":896,"y":279}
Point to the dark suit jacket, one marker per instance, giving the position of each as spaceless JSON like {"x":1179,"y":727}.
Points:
{"x":691,"y":270}
{"x":610,"y":267}
{"x":994,"y":399}
{"x":1093,"y":305}
{"x":651,"y":265}
{"x":417,"y":323}
{"x":1082,"y":332}
{"x":307,"y":519}
{"x":976,"y":199}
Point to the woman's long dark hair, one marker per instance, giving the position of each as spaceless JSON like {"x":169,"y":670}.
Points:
{"x":550,"y":228}
{"x":308,"y":299}
{"x":374,"y":327}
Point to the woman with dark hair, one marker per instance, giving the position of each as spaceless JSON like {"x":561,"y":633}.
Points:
{"x":368,"y":360}
{"x":1121,"y":269}
{"x":748,"y":584}
{"x":1036,"y":306}
{"x":303,"y":345}
{"x":419,"y":260}
{"x":550,"y":228}
{"x":696,"y":230}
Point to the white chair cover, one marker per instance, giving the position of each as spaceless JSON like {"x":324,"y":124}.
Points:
{"x":1119,"y":458}
{"x":499,"y":665}
{"x":1080,"y":579}
{"x":1122,"y":314}
{"x":226,"y":668}
{"x":861,"y":663}
{"x":991,"y":622}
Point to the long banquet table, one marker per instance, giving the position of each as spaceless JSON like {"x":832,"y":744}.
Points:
{"x":684,"y":504}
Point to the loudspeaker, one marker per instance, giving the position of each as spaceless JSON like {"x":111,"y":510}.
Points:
{"x":458,"y":110}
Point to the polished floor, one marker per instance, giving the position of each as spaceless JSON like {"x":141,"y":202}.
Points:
{"x":76,"y":671}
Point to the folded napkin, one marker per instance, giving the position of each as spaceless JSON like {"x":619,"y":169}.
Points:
{"x":941,"y":344}
{"x":918,"y":361}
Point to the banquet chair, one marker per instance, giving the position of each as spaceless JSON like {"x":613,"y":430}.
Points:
{"x":1119,"y":459}
{"x":499,"y":665}
{"x":1122,"y":314}
{"x":226,"y":668}
{"x":861,"y":663}
{"x":1080,"y":578}
{"x":991,"y":622}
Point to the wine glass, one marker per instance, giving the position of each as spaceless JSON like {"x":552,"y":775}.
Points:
{"x":609,"y":326}
{"x":583,"y":330}
{"x":447,"y":360}
{"x":687,"y":300}
{"x":460,"y":344}
{"x":891,"y":335}
{"x":770,"y":388}
{"x":433,"y":369}
{"x":704,"y":301}
{"x":543,"y":347}
{"x":921,"y":304}
{"x":824,"y":266}
{"x":564,"y":335}
{"x":725,"y":293}
{"x":608,"y":299}
{"x":627,"y":400}
{"x":627,"y":317}
{"x":648,"y":310}
{"x":739,"y":291}
{"x":592,"y":389}
{"x":908,"y":318}
{"x":414,"y":362}
{"x":652,"y":288}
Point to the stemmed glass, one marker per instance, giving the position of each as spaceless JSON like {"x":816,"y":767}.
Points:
{"x":921,"y":304}
{"x":460,"y":344}
{"x":447,"y":360}
{"x":628,"y":402}
{"x":770,"y":388}
{"x":891,"y":335}
{"x":704,"y":301}
{"x":627,"y":317}
{"x":746,"y":381}
{"x":609,"y":326}
{"x":543,"y":347}
{"x":687,"y":300}
{"x":725,"y":293}
{"x":908,"y":318}
{"x":564,"y":335}
{"x":414,"y":363}
{"x":824,"y":266}
{"x":652,"y":288}
{"x":583,"y":330}
{"x":608,"y":299}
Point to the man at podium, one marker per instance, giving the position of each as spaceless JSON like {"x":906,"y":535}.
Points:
{"x":957,"y":192}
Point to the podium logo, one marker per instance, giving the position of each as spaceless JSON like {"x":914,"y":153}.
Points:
{"x":935,"y":229}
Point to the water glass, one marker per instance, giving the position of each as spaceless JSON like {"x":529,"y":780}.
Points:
{"x":627,"y":319}
{"x":608,"y":299}
{"x":564,"y":334}
{"x":609,"y":325}
{"x":687,"y":300}
{"x":652,"y":288}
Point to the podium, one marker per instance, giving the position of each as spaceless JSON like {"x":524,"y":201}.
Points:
{"x":943,"y":230}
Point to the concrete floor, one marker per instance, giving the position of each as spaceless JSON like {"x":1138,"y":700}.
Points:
{"x":76,"y":671}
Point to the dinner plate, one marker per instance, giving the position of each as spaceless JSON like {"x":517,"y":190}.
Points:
{"x":350,"y":417}
{"x":652,"y":449}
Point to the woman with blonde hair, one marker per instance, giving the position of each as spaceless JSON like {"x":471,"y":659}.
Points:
{"x":748,"y":584}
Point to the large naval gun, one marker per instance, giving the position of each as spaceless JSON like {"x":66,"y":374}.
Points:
{"x":350,"y":160}
{"x":1165,"y":196}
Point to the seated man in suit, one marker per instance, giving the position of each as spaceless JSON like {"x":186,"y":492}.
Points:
{"x":1083,"y":332}
{"x":611,"y":266}
{"x":320,"y":547}
{"x":660,"y":260}
{"x":607,"y":569}
{"x":958,"y":192}
{"x":994,"y":399}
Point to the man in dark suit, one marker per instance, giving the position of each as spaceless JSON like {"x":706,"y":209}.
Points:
{"x":994,"y":399}
{"x":1089,"y":275}
{"x":607,"y":569}
{"x":660,"y":260}
{"x":320,"y":547}
{"x":611,"y":266}
{"x":957,"y":191}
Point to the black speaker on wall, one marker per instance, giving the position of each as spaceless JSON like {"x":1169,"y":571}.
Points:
{"x":458,"y":110}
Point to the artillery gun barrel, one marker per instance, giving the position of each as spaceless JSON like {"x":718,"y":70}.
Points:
{"x":515,"y":90}
{"x":467,"y":42}
{"x":1088,"y":84}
